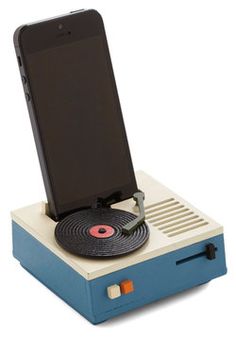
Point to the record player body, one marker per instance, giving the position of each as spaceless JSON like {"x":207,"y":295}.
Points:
{"x":185,"y":249}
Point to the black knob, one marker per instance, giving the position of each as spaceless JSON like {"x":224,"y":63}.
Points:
{"x":210,"y":251}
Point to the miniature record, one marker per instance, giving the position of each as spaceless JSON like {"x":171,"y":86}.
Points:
{"x":97,"y":232}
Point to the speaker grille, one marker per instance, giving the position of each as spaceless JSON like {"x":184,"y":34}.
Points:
{"x":172,"y":217}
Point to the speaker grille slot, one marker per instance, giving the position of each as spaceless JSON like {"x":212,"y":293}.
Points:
{"x":173,"y":218}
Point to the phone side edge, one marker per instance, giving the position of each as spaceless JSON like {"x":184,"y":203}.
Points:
{"x":35,"y":128}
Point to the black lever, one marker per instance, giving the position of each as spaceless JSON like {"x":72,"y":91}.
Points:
{"x":132,"y":225}
{"x":211,"y":251}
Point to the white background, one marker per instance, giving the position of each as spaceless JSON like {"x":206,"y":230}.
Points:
{"x":175,"y":67}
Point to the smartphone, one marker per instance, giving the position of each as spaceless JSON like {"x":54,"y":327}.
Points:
{"x":75,"y":112}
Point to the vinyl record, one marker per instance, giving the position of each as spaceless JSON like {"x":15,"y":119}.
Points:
{"x":97,"y":232}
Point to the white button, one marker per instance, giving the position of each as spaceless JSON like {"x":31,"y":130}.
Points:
{"x":113,"y":291}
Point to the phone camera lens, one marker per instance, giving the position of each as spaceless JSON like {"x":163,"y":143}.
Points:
{"x":60,"y":26}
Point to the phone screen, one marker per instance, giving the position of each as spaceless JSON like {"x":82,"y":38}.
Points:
{"x":80,"y":122}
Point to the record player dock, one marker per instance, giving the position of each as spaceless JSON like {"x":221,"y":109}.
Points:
{"x":185,"y":249}
{"x":107,"y":240}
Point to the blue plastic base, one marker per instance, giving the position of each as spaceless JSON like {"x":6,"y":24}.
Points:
{"x":153,"y":279}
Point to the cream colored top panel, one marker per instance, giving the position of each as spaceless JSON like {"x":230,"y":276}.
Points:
{"x":173,"y":224}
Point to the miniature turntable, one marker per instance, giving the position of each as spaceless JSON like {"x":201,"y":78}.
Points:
{"x":185,"y":248}
{"x":106,"y":241}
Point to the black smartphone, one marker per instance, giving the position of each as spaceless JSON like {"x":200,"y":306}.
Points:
{"x":75,"y":112}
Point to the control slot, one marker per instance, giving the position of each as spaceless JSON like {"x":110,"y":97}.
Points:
{"x":209,"y":253}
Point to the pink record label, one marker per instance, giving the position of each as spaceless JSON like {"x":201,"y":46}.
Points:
{"x":101,"y":231}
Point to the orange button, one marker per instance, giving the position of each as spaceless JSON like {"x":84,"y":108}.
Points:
{"x":126,"y":286}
